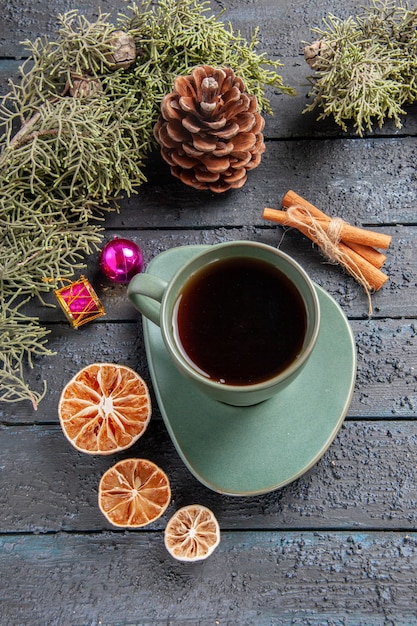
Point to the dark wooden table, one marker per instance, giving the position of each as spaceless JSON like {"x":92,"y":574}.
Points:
{"x":337,"y":546}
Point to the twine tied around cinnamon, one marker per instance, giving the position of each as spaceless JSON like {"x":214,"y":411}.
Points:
{"x":339,"y":242}
{"x":328,"y":240}
{"x":331,"y":238}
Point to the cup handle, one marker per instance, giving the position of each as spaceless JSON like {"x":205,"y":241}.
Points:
{"x":145,"y":292}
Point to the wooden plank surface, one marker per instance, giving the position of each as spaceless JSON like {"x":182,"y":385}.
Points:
{"x":342,"y":579}
{"x":386,"y":377}
{"x":368,"y":182}
{"x":337,"y":547}
{"x":365,"y":481}
{"x":394,"y":300}
{"x":284,"y":24}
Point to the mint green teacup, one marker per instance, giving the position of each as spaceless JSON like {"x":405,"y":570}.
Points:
{"x":239,"y":320}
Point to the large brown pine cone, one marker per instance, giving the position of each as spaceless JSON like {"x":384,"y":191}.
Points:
{"x":209,"y":130}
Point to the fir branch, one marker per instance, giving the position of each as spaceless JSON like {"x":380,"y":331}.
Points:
{"x":365,"y":67}
{"x":175,"y":36}
{"x":22,"y":339}
{"x":13,"y":387}
{"x":67,"y":154}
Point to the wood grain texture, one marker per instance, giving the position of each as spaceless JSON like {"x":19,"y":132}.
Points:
{"x":386,"y":384}
{"x":338,"y":546}
{"x":283,"y":25}
{"x":365,"y":481}
{"x":331,"y":579}
{"x":396,"y":299}
{"x":30,"y":20}
{"x":368,"y":182}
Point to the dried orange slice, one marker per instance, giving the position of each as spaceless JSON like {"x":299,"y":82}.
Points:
{"x":192,"y":533}
{"x":104,"y":408}
{"x":133,"y":493}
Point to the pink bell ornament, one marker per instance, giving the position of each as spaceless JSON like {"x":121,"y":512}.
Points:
{"x":120,"y":260}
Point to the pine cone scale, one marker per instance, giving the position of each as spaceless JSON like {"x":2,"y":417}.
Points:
{"x":232,"y":96}
{"x":216,"y":125}
{"x":234,"y":108}
{"x":256,"y":159}
{"x":183,"y":87}
{"x":204,"y":176}
{"x":191,"y":151}
{"x":259,"y":126}
{"x":215,"y":164}
{"x":244,"y":142}
{"x":177,"y":132}
{"x":184,"y":161}
{"x":210,"y":130}
{"x":240,"y":159}
{"x":191,"y":124}
{"x":246,"y":122}
{"x":187,"y":104}
{"x":234,"y":176}
{"x":169,"y":143}
{"x":170,"y":109}
{"x":204,"y":142}
{"x":223,"y":149}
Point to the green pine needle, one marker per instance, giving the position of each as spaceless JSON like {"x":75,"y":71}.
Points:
{"x":72,"y":156}
{"x":367,"y":66}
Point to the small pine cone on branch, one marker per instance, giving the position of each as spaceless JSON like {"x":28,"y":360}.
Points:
{"x":210,"y":130}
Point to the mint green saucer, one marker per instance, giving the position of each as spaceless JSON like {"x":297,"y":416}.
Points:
{"x":244,"y":451}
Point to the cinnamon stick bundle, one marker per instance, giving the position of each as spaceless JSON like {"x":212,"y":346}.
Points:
{"x":352,"y":247}
{"x":378,"y":240}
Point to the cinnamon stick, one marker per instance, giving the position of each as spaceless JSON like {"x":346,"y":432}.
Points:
{"x":349,"y":234}
{"x":373,"y":276}
{"x":354,"y":262}
{"x":370,"y":254}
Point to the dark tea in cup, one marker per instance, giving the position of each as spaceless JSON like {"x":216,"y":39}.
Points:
{"x":240,"y":321}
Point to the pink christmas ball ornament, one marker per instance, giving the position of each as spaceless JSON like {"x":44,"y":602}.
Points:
{"x":120,"y":260}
